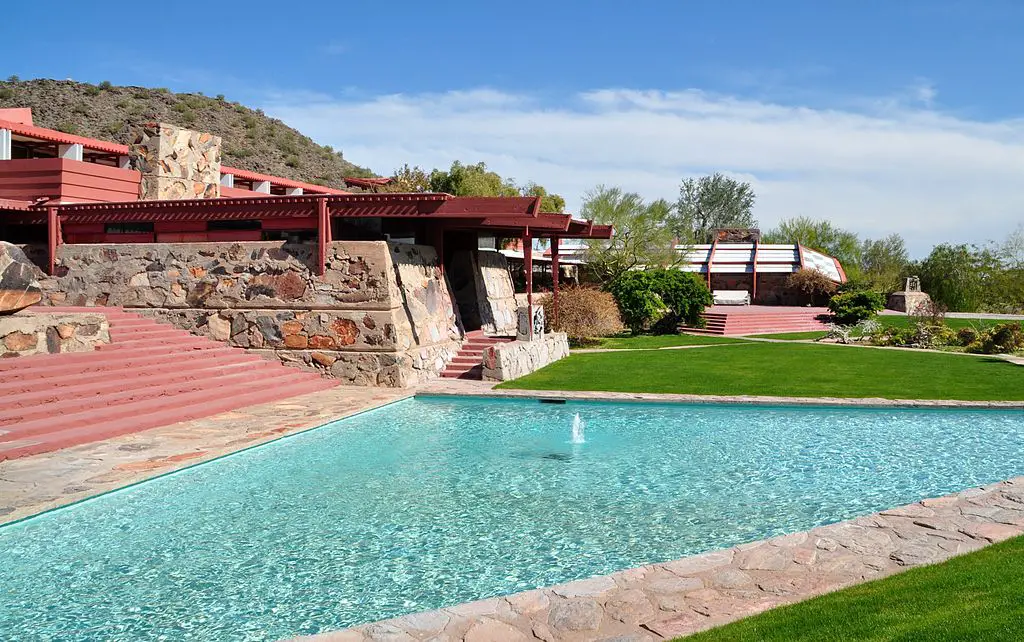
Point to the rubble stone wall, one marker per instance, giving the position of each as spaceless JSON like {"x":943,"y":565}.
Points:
{"x":33,"y":332}
{"x":382,"y":314}
{"x":515,"y":359}
{"x":175,"y":163}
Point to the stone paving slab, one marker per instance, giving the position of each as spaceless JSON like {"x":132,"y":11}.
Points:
{"x":676,"y":598}
{"x":34,"y":484}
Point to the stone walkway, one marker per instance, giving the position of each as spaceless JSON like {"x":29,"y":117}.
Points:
{"x":677,"y":598}
{"x":34,"y":484}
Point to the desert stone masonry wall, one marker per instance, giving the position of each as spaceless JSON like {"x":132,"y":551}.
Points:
{"x":515,"y":359}
{"x":485,"y":290}
{"x":33,"y":332}
{"x":381,"y":315}
{"x":175,"y":163}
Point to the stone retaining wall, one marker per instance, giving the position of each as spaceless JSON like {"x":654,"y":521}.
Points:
{"x":382,"y":313}
{"x":28,"y":333}
{"x":515,"y":359}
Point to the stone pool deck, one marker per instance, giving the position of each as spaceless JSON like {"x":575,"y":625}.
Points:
{"x":38,"y":483}
{"x":676,"y":598}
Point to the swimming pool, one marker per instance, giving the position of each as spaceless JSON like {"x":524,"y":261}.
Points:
{"x":434,"y":501}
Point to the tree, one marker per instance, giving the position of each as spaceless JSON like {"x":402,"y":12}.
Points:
{"x":477,"y":180}
{"x":884,"y":262}
{"x":408,"y":179}
{"x":712,"y":202}
{"x":954,"y":275}
{"x":820,"y":235}
{"x":643,"y":235}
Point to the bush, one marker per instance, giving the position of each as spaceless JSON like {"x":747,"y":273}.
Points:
{"x":639,"y":304}
{"x":660,"y":299}
{"x":583,"y":313}
{"x":850,"y":308}
{"x":812,"y":283}
{"x":931,"y":313}
{"x":999,"y":339}
{"x":966,"y":336}
{"x":105,"y":85}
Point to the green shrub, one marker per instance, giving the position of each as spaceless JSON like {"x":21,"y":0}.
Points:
{"x":105,"y":85}
{"x":583,"y":313}
{"x":6,"y":92}
{"x":999,"y":339}
{"x":639,"y":304}
{"x":660,"y":299}
{"x":850,"y":308}
{"x":13,"y":79}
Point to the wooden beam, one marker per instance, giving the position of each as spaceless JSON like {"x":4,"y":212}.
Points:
{"x":323,"y":236}
{"x":554,"y":280}
{"x":528,"y":268}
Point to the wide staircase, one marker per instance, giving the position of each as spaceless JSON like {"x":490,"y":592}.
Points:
{"x":467,"y":363}
{"x":150,"y":374}
{"x":760,"y":319}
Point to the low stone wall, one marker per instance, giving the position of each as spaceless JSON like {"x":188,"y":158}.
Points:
{"x":515,"y":359}
{"x":32,"y":332}
{"x":381,"y":315}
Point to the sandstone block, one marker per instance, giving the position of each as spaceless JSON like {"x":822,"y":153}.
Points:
{"x":18,"y":286}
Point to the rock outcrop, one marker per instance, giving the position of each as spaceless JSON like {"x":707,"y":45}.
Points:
{"x":18,"y":286}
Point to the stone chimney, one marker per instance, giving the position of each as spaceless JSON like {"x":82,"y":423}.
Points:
{"x":175,"y":163}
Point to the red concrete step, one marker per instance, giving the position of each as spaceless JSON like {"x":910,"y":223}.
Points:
{"x":172,"y":392}
{"x":123,"y":362}
{"x":475,"y":372}
{"x":24,"y":394}
{"x":132,"y":408}
{"x":467,"y":360}
{"x":87,"y":430}
{"x":185,"y":343}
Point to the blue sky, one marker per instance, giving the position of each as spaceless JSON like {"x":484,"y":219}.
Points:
{"x":883,"y":116}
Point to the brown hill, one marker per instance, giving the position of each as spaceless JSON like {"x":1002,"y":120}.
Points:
{"x":252,"y":140}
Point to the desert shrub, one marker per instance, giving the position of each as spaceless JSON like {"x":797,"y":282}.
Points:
{"x":931,"y":313}
{"x":660,"y":299}
{"x":812,"y":283}
{"x":1005,"y":337}
{"x":583,"y":313}
{"x":850,"y":308}
{"x":639,"y":303}
{"x":105,"y":85}
{"x":684,"y":294}
{"x":966,"y":336}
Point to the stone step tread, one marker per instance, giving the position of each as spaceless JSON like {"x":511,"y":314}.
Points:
{"x":115,"y":361}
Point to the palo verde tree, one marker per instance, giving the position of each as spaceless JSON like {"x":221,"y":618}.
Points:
{"x":712,"y":202}
{"x":821,"y":235}
{"x":643,"y":234}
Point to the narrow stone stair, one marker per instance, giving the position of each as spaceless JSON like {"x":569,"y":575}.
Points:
{"x":468,"y":363}
{"x":151,"y":374}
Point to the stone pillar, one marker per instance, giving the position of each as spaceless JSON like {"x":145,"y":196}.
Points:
{"x":175,"y":163}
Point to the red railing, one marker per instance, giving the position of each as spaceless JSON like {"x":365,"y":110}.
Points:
{"x":63,"y":180}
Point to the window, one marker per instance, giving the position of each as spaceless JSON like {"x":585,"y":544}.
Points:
{"x":234,"y":225}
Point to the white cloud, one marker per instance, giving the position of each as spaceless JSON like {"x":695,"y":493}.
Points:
{"x":930,"y":176}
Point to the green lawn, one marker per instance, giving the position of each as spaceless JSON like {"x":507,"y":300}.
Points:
{"x":780,"y":369}
{"x":647,"y":341}
{"x":792,"y":336}
{"x":974,"y":597}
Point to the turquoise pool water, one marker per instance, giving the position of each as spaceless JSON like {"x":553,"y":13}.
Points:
{"x":435,"y":501}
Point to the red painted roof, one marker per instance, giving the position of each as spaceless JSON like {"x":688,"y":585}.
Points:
{"x":54,"y":136}
{"x":61,"y":138}
{"x":246,"y":175}
{"x":8,"y":204}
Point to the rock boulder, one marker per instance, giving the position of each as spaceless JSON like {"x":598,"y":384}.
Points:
{"x":18,"y":286}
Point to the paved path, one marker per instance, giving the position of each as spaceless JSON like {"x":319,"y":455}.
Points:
{"x":34,"y":484}
{"x":676,"y":598}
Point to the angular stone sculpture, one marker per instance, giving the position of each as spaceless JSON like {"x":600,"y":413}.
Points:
{"x":18,"y":286}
